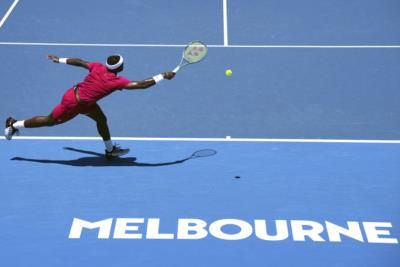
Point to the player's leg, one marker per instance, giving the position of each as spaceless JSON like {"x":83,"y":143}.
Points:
{"x":100,"y":118}
{"x":40,"y":121}
{"x":111,"y":151}
{"x":13,"y":126}
{"x":66,"y":110}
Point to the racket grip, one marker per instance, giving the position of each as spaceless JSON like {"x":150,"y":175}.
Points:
{"x":176,"y":69}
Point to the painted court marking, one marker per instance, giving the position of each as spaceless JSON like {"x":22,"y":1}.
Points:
{"x":226,"y":139}
{"x":212,"y":46}
{"x":10,"y":10}
{"x":225,"y":15}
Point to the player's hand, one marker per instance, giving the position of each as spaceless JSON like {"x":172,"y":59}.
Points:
{"x":169,"y":75}
{"x":54,"y":58}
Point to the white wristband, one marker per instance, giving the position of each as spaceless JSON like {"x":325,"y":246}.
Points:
{"x":62,"y":60}
{"x":158,"y":78}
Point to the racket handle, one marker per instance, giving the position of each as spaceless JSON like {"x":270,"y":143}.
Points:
{"x":176,"y":69}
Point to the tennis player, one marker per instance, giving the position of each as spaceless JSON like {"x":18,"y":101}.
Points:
{"x":82,"y":98}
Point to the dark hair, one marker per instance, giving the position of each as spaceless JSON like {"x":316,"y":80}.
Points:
{"x":112,"y":60}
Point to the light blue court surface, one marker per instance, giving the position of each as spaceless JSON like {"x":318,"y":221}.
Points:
{"x":44,"y":187}
{"x":301,"y":70}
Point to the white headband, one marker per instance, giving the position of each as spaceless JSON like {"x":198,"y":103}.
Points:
{"x":116,"y":65}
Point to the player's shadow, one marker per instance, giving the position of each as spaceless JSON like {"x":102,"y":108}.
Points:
{"x":99,"y":160}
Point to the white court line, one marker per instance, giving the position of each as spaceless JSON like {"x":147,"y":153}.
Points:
{"x":213,"y":46}
{"x":225,"y":15}
{"x":315,"y":46}
{"x":8,"y":12}
{"x":91,"y":44}
{"x":260,"y":140}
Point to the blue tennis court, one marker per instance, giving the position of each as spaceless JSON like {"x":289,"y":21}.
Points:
{"x":305,"y":134}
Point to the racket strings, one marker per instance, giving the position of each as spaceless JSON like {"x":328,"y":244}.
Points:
{"x":195,"y":52}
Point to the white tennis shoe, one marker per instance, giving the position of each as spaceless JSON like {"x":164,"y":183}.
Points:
{"x":10,"y":131}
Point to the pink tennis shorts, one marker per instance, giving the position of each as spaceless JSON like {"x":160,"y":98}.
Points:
{"x":69,"y":107}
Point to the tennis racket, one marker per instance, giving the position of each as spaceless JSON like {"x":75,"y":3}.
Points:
{"x":200,"y":154}
{"x":194,"y":52}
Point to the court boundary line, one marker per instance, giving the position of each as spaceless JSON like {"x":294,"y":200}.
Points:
{"x":225,"y":16}
{"x":212,"y":46}
{"x":8,"y":13}
{"x":226,"y":139}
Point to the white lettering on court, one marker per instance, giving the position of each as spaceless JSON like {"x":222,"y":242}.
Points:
{"x":235,"y":229}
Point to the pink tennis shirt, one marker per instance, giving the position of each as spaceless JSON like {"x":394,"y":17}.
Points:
{"x":100,"y":83}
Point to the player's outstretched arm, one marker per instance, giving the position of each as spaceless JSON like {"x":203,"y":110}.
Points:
{"x":70,"y":61}
{"x":151,"y":81}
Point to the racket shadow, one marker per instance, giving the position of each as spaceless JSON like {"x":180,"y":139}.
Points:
{"x":98,"y":160}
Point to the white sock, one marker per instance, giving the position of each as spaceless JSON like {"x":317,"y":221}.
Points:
{"x":109,"y":145}
{"x":19,"y":124}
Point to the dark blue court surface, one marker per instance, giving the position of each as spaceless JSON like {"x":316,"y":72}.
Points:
{"x":331,"y":199}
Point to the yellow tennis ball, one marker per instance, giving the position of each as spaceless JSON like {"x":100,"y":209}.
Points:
{"x":228,"y":72}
